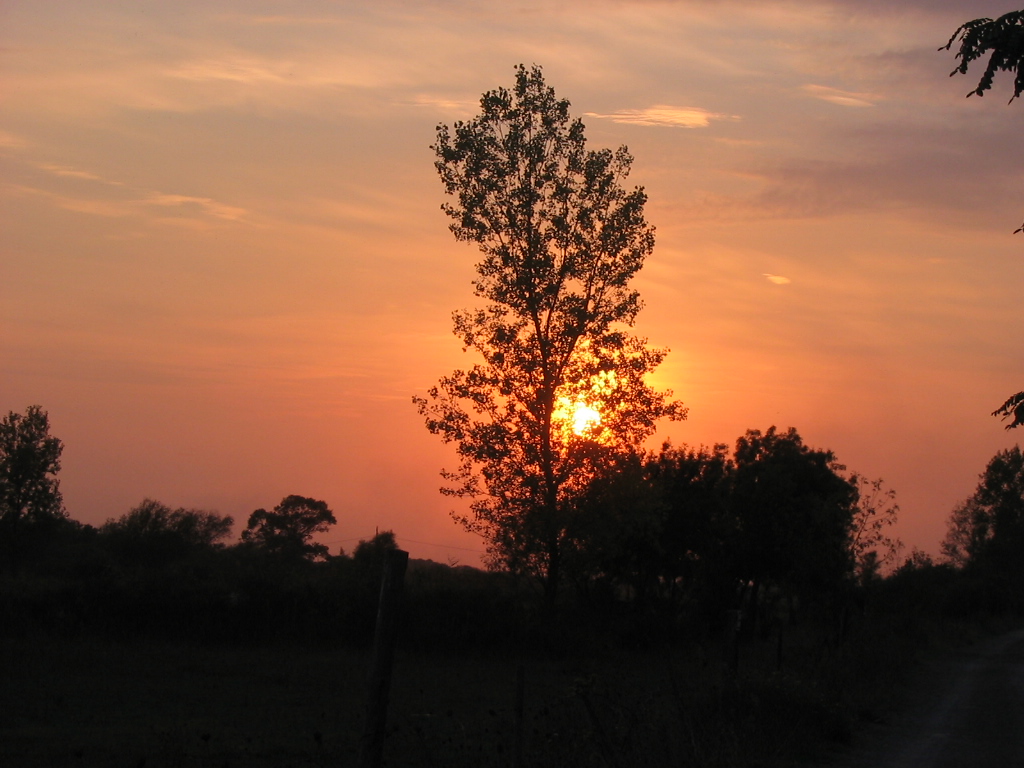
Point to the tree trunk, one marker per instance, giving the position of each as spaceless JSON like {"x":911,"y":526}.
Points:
{"x":551,"y":578}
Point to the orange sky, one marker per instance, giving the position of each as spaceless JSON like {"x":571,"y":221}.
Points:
{"x":224,"y":270}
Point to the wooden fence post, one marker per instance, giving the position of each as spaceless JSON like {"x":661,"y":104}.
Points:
{"x":371,"y":746}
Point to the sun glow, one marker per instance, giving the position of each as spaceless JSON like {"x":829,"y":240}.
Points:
{"x":579,"y":417}
{"x":584,"y":418}
{"x":579,"y":411}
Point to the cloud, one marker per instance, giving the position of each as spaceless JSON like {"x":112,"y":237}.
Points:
{"x":840,"y":97}
{"x":460,"y":106}
{"x":205,"y":205}
{"x":106,"y":208}
{"x":188,"y":207}
{"x":777,"y":279}
{"x":74,"y":173}
{"x":236,"y":69}
{"x":665,"y":115}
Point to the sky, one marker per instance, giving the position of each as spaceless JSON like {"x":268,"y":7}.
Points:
{"x":224,"y":270}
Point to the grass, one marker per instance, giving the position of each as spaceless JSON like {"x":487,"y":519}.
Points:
{"x":101,"y":703}
{"x":95,"y":702}
{"x":88,"y":701}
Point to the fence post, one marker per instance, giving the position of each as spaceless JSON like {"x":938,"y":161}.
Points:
{"x":371,"y":746}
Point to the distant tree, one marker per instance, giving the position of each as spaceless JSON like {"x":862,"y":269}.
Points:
{"x":966,"y":532}
{"x":30,"y":495}
{"x":368,"y":556}
{"x":986,"y":532}
{"x":561,"y":386}
{"x":657,"y":524}
{"x":695,"y":488}
{"x":375,"y":548}
{"x":616,"y":530}
{"x":152,"y":532}
{"x":287,"y":530}
{"x":793,"y":511}
{"x":870,"y":544}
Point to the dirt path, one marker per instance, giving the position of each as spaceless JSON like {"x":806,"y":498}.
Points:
{"x":967,"y":712}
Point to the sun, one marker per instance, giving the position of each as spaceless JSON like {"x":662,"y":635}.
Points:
{"x":577,"y":416}
{"x":584,"y":418}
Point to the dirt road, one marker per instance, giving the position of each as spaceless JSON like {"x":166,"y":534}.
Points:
{"x":968,"y":712}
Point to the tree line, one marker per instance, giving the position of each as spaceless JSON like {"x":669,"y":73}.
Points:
{"x":678,"y":535}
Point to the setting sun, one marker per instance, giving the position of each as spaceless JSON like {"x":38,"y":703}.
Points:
{"x":577,"y":416}
{"x":584,"y":418}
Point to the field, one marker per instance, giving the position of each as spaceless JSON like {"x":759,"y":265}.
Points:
{"x":103,"y":702}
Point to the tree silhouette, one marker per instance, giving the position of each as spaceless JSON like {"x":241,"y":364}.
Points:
{"x":987,"y":530}
{"x":286,"y":530}
{"x":876,"y":512}
{"x":1004,"y":37}
{"x":985,"y":533}
{"x":369,"y":557}
{"x":561,"y":384}
{"x":152,"y":533}
{"x":794,"y":514}
{"x":29,"y":490}
{"x":1014,"y":406}
{"x":656,"y":523}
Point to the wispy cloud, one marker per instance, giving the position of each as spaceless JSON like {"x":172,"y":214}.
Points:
{"x":73,"y":173}
{"x":106,"y":208}
{"x":446,"y":104}
{"x":236,"y":69}
{"x":205,"y":205}
{"x":186,"y":206}
{"x":777,"y":279}
{"x":665,"y":115}
{"x":840,"y":97}
{"x":127,"y":200}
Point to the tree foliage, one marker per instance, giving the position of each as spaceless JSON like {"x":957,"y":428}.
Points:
{"x":560,"y":238}
{"x":287,"y":530}
{"x":793,"y":512}
{"x":986,"y":532}
{"x":1014,"y":406}
{"x":369,"y":557}
{"x":702,"y":526}
{"x":29,"y":490}
{"x":1002,"y":39}
{"x":870,"y":544}
{"x":153,"y":532}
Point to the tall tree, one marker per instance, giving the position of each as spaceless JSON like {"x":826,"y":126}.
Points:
{"x":287,"y":530}
{"x":29,"y":490}
{"x":561,"y":383}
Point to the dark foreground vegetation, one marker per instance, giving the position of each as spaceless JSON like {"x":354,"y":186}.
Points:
{"x":223,"y":659}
